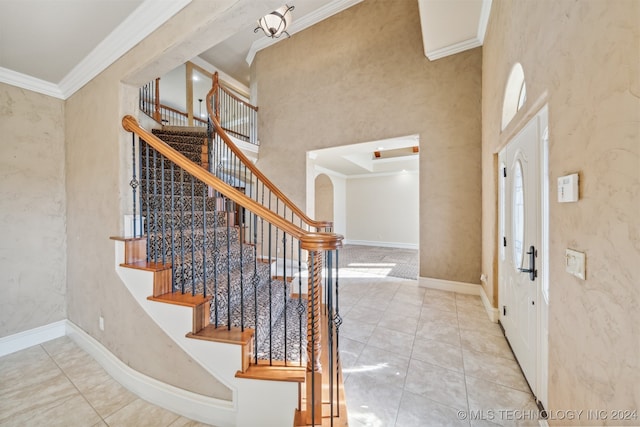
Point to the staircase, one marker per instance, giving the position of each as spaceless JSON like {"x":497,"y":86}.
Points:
{"x":244,"y":294}
{"x":217,"y":262}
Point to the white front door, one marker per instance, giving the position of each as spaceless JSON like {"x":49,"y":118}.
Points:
{"x":519,"y":260}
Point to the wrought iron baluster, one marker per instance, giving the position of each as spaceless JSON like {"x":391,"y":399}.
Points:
{"x":285,"y":293}
{"x":337,"y":322}
{"x":270,"y":304}
{"x":134,"y":182}
{"x":228,"y":206}
{"x":173,"y":220}
{"x":142,"y":231}
{"x":193,"y":237}
{"x":300,"y":307}
{"x":182,"y":227}
{"x":204,"y":239}
{"x":255,"y":282}
{"x":155,"y":205}
{"x":329,"y":308}
{"x":164,"y":212}
{"x":215,"y":258}
{"x":148,"y":191}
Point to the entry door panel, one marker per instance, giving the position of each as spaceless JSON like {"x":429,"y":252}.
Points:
{"x":518,"y":270}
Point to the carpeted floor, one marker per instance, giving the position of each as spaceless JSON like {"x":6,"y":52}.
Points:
{"x":394,"y":262}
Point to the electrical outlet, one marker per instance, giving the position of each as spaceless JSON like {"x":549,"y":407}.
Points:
{"x":101,"y":323}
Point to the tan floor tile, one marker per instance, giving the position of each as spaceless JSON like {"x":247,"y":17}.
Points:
{"x":369,"y":403}
{"x":444,"y":331}
{"x":485,"y":343}
{"x":382,"y":366}
{"x":438,"y":384}
{"x":495,"y":369}
{"x":416,"y":410}
{"x":33,"y":360}
{"x":393,"y":341}
{"x":438,"y":353}
{"x":140,"y":413}
{"x":36,"y":397}
{"x":500,"y":402}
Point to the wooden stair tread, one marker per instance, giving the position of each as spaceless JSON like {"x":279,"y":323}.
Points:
{"x":222,"y":334}
{"x":179,"y":298}
{"x":127,"y":239}
{"x":147,"y":266}
{"x":274,"y":373}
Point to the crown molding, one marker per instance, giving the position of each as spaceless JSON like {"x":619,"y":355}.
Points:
{"x":303,"y":23}
{"x":34,"y":84}
{"x":484,"y":19}
{"x":143,"y":21}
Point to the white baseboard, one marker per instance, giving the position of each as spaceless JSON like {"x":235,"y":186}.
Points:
{"x":492,"y":312}
{"x":381,"y":244}
{"x":188,"y":404}
{"x":461,"y":288}
{"x":20,"y":341}
{"x":191,"y":405}
{"x":449,"y":285}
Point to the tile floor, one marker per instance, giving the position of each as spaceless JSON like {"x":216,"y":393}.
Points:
{"x":59,"y":384}
{"x":422,"y":357}
{"x":411,"y":357}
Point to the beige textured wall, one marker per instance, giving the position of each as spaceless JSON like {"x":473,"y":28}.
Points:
{"x":583,"y":59}
{"x":97,"y":166}
{"x":360,"y":76}
{"x":32,"y":210}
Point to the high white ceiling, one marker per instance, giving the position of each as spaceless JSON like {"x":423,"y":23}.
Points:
{"x":56,"y":46}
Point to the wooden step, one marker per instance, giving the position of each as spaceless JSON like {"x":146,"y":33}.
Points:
{"x":201,"y":306}
{"x":179,"y":298}
{"x":135,"y":248}
{"x":229,"y":336}
{"x":274,"y":373}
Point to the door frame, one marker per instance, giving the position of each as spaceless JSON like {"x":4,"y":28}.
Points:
{"x":542,"y":218}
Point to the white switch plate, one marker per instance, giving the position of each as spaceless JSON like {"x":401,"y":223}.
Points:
{"x":101,"y":323}
{"x":568,"y":188}
{"x":575,"y":263}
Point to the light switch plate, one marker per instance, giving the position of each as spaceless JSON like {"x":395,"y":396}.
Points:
{"x":575,"y":263}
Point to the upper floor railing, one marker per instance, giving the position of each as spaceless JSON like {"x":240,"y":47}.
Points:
{"x":237,"y":116}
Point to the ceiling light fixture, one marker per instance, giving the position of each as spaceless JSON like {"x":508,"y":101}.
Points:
{"x":276,"y":23}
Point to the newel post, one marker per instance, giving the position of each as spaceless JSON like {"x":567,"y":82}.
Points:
{"x":315,"y":244}
{"x":156,"y":102}
{"x":216,"y":96}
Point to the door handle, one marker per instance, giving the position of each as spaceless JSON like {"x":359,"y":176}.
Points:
{"x":533,"y":273}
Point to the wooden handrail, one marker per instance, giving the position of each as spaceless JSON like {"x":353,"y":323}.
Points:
{"x":249,"y":164}
{"x":308,"y":241}
{"x":232,"y":95}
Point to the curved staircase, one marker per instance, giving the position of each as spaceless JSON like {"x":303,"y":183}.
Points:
{"x":206,"y":249}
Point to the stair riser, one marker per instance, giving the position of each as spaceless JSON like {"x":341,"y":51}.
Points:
{"x":158,"y":163}
{"x":179,"y":203}
{"x":185,"y":220}
{"x":215,"y":238}
{"x":220,"y":265}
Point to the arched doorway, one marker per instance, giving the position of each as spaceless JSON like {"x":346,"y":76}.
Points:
{"x":323,"y":198}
